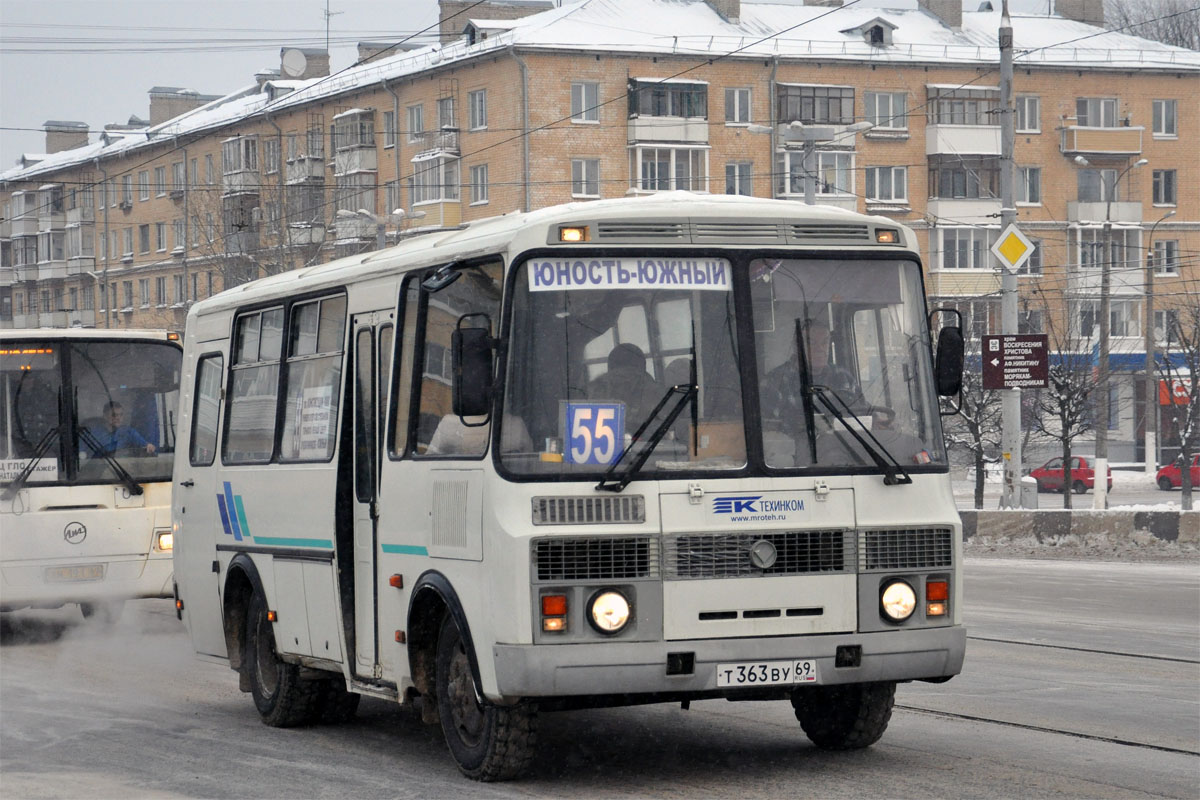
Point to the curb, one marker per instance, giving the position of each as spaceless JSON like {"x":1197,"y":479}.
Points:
{"x":1182,"y":527}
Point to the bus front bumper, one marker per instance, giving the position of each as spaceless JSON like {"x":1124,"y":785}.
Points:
{"x":604,"y":668}
{"x":53,"y":582}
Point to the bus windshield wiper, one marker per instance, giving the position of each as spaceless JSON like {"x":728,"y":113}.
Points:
{"x":18,"y":483}
{"x":893,"y":473}
{"x":90,"y":440}
{"x":607,"y":483}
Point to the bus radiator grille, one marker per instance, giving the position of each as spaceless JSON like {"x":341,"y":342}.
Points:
{"x":589,"y":510}
{"x":730,"y":555}
{"x":906,"y":548}
{"x":594,"y":558}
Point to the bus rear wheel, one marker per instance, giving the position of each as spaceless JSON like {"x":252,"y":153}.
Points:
{"x":282,"y":698}
{"x":488,"y":742}
{"x":845,"y":717}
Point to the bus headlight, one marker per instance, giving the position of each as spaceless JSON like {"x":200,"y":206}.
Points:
{"x":609,"y":611}
{"x":898,"y":601}
{"x":164,"y":541}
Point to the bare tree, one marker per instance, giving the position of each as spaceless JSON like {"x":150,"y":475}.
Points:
{"x":975,"y":430}
{"x":1175,"y":22}
{"x":1183,"y":338}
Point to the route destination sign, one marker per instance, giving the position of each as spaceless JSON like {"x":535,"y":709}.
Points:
{"x":1015,"y":362}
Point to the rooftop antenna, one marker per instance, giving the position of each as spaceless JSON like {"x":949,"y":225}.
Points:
{"x":328,"y":14}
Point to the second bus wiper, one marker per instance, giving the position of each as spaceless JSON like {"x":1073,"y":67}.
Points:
{"x":90,"y":440}
{"x":607,"y":483}
{"x":893,"y":473}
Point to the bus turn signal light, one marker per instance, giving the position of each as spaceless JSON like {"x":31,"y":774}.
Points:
{"x":554,"y":605}
{"x":272,"y":616}
{"x":937,"y":590}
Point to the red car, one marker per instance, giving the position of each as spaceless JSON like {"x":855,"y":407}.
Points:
{"x":1171,"y":476}
{"x":1049,"y":476}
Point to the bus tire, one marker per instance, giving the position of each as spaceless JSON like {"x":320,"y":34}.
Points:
{"x":282,"y":698}
{"x":488,"y":742}
{"x":336,"y":705}
{"x":106,"y":613}
{"x":847,"y":716}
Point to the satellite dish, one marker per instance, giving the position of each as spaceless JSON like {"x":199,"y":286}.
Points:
{"x":294,"y":63}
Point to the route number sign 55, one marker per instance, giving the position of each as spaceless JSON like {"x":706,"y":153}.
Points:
{"x":595,"y":432}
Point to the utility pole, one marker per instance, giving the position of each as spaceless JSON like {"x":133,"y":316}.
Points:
{"x":1150,"y":415}
{"x":1010,"y":399}
{"x":1100,"y":493}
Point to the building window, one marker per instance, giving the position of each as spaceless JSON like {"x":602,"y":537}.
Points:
{"x":957,"y":106}
{"x":1166,"y":322}
{"x":177,"y":280}
{"x":477,"y":109}
{"x":237,"y":155}
{"x":1029,"y":186}
{"x":144,"y":292}
{"x":834,"y":173}
{"x":389,"y":133}
{"x":391,"y":197}
{"x":195,"y":172}
{"x":1030,"y":321}
{"x":446,"y":116}
{"x":1164,"y":187}
{"x":966,"y":248}
{"x":1089,"y":248}
{"x":160,"y":181}
{"x":1096,"y":112}
{"x":887,"y":184}
{"x":88,"y":299}
{"x":1029,"y":114}
{"x":354,"y":191}
{"x":128,"y":249}
{"x":1124,"y":318}
{"x":1165,"y":118}
{"x":813,"y":104}
{"x":144,"y":185}
{"x":585,"y":177}
{"x":886,"y":110}
{"x":738,"y":178}
{"x":585,"y":102}
{"x":1098,"y":186}
{"x":210,"y":171}
{"x":144,"y":238}
{"x":160,"y":290}
{"x":160,"y":236}
{"x":271,"y":155}
{"x":416,"y":122}
{"x":434,"y":179}
{"x":178,"y":176}
{"x":127,"y":189}
{"x":180,"y":239}
{"x":126,"y":296}
{"x":958,"y":178}
{"x":354,"y":129}
{"x":656,"y":169}
{"x":479,"y":184}
{"x":668,"y":99}
{"x":1166,"y":257}
{"x":1033,"y":264}
{"x":737,"y":106}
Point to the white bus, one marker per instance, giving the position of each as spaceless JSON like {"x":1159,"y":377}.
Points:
{"x":652,"y":449}
{"x":87,"y":440}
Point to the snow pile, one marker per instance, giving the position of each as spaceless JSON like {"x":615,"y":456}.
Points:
{"x":1133,"y":546}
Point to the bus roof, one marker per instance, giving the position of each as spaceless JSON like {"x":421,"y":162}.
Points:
{"x":729,"y":220}
{"x":90,"y":333}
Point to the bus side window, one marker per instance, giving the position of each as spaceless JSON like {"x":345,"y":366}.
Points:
{"x":206,"y":405}
{"x":314,"y":380}
{"x":402,"y":394}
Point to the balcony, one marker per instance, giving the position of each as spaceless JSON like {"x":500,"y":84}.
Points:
{"x":962,"y":140}
{"x":245,"y":241}
{"x":5,"y":228}
{"x":52,"y":270}
{"x":241,"y":182}
{"x":29,"y":320}
{"x":24,"y":225}
{"x":1126,"y":140}
{"x":443,"y":141}
{"x":305,"y":168}
{"x":26,"y":272}
{"x":304,"y":233}
{"x":967,"y":211}
{"x":964,"y":282}
{"x":353,"y":228}
{"x":355,"y":159}
{"x":1081,"y":211}
{"x":691,"y":130}
{"x":81,"y":319}
{"x":54,"y":319}
{"x":51,"y":221}
{"x":77,"y":265}
{"x":7,"y":275}
{"x":80,"y":216}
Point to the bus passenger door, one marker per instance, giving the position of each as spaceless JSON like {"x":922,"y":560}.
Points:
{"x":372,"y":349}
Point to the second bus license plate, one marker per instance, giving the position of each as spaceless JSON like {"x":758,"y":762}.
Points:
{"x":85,"y":572}
{"x":766,"y":673}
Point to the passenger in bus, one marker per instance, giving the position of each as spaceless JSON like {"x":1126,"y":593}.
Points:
{"x":114,"y":435}
{"x":627,"y":381}
{"x":452,"y":437}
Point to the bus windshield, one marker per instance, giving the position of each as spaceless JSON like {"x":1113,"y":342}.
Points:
{"x":596,"y":344}
{"x":84,"y":410}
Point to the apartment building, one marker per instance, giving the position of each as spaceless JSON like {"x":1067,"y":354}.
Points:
{"x":524,"y":105}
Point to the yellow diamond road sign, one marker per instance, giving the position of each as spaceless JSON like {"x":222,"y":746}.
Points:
{"x":1013,"y":248}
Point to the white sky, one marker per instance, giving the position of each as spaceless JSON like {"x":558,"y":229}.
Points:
{"x":227,"y":42}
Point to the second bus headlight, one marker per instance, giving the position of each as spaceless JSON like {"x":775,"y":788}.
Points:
{"x":609,"y":611}
{"x":898,"y":601}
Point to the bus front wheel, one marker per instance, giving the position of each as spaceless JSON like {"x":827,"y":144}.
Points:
{"x":488,"y":742}
{"x":847,"y":716}
{"x":282,"y":698}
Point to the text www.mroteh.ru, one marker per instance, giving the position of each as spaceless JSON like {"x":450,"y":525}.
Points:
{"x":759,"y":518}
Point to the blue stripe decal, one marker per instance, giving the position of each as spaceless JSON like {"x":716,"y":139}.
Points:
{"x":224,"y":514}
{"x":405,"y":549}
{"x":237,"y":530}
{"x":284,"y":541}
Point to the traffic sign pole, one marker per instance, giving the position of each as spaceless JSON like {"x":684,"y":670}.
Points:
{"x":1010,"y":399}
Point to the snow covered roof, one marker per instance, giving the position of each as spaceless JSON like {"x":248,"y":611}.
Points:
{"x":691,"y":28}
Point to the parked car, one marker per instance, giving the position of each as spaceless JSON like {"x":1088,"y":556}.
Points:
{"x":1049,"y":476}
{"x":1171,"y":476}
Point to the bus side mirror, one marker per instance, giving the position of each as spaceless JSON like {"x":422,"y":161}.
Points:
{"x":948,"y":361}
{"x":471,"y":350}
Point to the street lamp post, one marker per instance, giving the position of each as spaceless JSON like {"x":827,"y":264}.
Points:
{"x":1150,"y":417}
{"x":1100,"y":499}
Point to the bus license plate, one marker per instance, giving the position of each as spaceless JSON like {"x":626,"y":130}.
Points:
{"x":766,"y":673}
{"x":84,"y":572}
